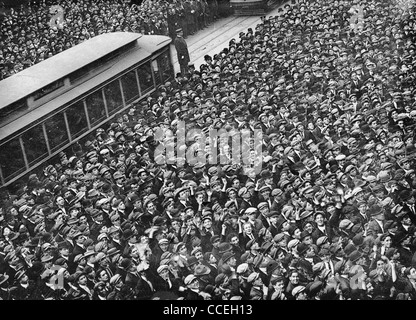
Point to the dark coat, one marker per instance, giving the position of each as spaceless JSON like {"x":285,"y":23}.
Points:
{"x":182,"y":50}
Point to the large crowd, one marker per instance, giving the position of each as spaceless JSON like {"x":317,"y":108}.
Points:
{"x":331,"y":215}
{"x":35,"y":32}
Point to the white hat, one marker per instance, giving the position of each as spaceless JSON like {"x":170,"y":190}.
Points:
{"x":189,"y":279}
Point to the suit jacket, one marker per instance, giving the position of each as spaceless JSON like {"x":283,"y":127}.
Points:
{"x":256,"y":294}
{"x":143,"y":290}
{"x":162,"y":285}
{"x":132,"y":279}
{"x":244,"y":239}
{"x":363,"y":220}
{"x":95,"y":230}
{"x":318,"y":233}
{"x":5,"y":294}
{"x":18,"y":292}
{"x":374,"y":228}
{"x":411,"y":210}
{"x":404,"y":285}
{"x":192,"y":295}
{"x":273,"y":230}
{"x":77,"y":250}
{"x":113,"y":244}
{"x":182,"y":50}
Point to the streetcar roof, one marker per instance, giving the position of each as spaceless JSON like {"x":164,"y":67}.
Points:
{"x":36,"y":77}
{"x":147,"y":45}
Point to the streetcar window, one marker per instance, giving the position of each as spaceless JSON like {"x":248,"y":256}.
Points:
{"x":130,"y":87}
{"x":48,"y":89}
{"x":35,"y":145}
{"x":96,"y":108}
{"x":113,"y":96}
{"x":165,"y":68}
{"x":56,"y":131}
{"x":145,"y":78}
{"x":11,"y":159}
{"x":77,"y":119}
{"x":156,"y":71}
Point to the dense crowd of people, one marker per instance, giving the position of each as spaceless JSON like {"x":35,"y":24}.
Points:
{"x":33,"y":33}
{"x":331,"y":215}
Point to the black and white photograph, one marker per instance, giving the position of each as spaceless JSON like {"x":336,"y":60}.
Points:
{"x":207,"y":154}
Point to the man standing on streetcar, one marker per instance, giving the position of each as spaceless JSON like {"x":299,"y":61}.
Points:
{"x":182,"y":51}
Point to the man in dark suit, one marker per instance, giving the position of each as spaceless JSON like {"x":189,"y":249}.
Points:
{"x":115,"y":239}
{"x":145,"y":286}
{"x":166,"y":281}
{"x":193,"y":292}
{"x":405,"y":223}
{"x":362,"y":215}
{"x":273,"y":218}
{"x":79,"y":239}
{"x":407,"y":198}
{"x":376,"y":226}
{"x":132,"y":276}
{"x":182,"y":51}
{"x":322,"y":227}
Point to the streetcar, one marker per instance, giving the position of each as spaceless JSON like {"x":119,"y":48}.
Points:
{"x":253,"y":7}
{"x":50,"y":106}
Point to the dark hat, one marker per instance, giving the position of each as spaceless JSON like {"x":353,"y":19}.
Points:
{"x":405,"y":195}
{"x":224,"y":247}
{"x":266,"y":246}
{"x":127,"y":234}
{"x":192,"y":260}
{"x":358,"y":239}
{"x":355,"y":255}
{"x":271,"y":266}
{"x":302,"y":248}
{"x":201,"y":270}
{"x":158,"y":221}
{"x":60,"y":261}
{"x":349,"y":248}
{"x":375,"y":210}
{"x":250,"y":244}
{"x":220,"y":279}
{"x":214,"y":239}
{"x":280,"y":221}
{"x":304,"y":234}
{"x":390,"y":252}
{"x":315,"y":287}
{"x":279,"y":237}
{"x":400,"y":236}
{"x":227,"y":256}
{"x":245,"y":256}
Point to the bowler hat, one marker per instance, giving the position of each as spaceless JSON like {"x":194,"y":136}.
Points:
{"x":227,"y":256}
{"x":355,"y":255}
